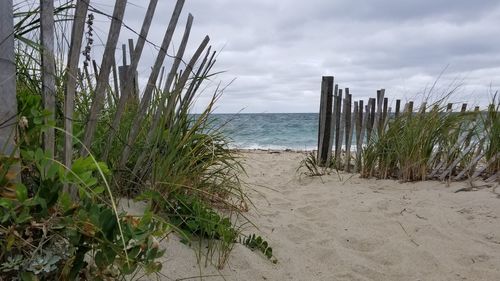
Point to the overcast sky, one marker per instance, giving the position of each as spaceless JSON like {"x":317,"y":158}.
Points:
{"x":278,"y":50}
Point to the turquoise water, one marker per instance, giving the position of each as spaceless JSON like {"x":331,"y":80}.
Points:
{"x":297,"y":131}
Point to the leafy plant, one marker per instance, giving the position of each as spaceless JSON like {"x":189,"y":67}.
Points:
{"x":255,"y":242}
{"x":47,"y":235}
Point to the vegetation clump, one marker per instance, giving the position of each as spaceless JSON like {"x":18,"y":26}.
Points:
{"x":60,"y":220}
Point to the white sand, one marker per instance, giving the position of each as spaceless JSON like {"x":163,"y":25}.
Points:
{"x":356,"y":229}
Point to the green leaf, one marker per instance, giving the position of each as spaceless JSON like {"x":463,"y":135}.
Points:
{"x":21,"y":192}
{"x":107,"y":221}
{"x":24,"y":216}
{"x":99,"y":189}
{"x":65,"y":201}
{"x":6,"y":203}
{"x":52,"y":171}
{"x":102,"y":260}
{"x":28,"y":276}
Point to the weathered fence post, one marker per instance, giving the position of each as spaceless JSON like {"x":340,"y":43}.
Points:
{"x":325,"y":119}
{"x":336,"y":118}
{"x":150,"y":86}
{"x":360,"y":134}
{"x":334,"y":121}
{"x":385,"y":109}
{"x":8,"y":102}
{"x":339,"y":130}
{"x":410,"y":107}
{"x":48,"y":72}
{"x":371,"y":119}
{"x":348,"y":129}
{"x":125,"y":70}
{"x":70,"y":86}
{"x":398,"y":108}
{"x":102,"y":84}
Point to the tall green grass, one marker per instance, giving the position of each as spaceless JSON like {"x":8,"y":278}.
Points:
{"x":188,"y":166}
{"x":432,"y":143}
{"x":492,"y":131}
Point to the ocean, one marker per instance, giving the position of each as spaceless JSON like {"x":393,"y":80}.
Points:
{"x":296,"y":131}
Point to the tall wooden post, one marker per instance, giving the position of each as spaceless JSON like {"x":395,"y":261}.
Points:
{"x":359,"y":136}
{"x":71,"y":80}
{"x":338,"y":128}
{"x":325,"y":119}
{"x":48,"y":72}
{"x":398,"y":108}
{"x":8,"y":102}
{"x":102,"y":84}
{"x":348,"y":128}
{"x":371,"y":119}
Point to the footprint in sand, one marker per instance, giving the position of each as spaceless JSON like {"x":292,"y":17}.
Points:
{"x":467,"y":260}
{"x":361,"y":245}
{"x":297,"y":234}
{"x":309,"y":211}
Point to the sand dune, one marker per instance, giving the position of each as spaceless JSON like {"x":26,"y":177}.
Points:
{"x":341,"y":227}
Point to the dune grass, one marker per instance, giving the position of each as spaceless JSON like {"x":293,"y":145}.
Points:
{"x":433,"y":143}
{"x":180,"y":163}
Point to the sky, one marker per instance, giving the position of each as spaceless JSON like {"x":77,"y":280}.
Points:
{"x":274,"y":53}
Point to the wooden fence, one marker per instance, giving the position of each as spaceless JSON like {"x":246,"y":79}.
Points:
{"x":185,"y":73}
{"x":346,"y":126}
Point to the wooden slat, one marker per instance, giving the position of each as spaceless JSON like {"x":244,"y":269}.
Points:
{"x":103,"y":79}
{"x":478,"y":172}
{"x":384,"y":115}
{"x":398,"y":108}
{"x":47,"y":27}
{"x":371,"y":119}
{"x":124,"y":55}
{"x":166,"y":94}
{"x":71,"y":84}
{"x":8,"y":101}
{"x":335,"y":119}
{"x":348,"y":129}
{"x":116,"y":86}
{"x":325,"y":119}
{"x":333,"y":123}
{"x":449,"y":169}
{"x":131,"y":49}
{"x":360,"y":127}
{"x":174,"y":99}
{"x":132,"y":70}
{"x":338,"y":136}
{"x":423,"y":107}
{"x":410,"y":107}
{"x":146,"y":98}
{"x":470,"y":168}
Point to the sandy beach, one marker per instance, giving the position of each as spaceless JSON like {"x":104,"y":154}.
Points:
{"x":341,"y":227}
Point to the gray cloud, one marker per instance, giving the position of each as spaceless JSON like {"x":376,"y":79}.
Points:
{"x":278,"y":50}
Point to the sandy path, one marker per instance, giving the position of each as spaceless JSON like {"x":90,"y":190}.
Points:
{"x":348,"y":228}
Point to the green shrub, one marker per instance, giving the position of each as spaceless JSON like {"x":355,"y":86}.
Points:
{"x":44,"y":235}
